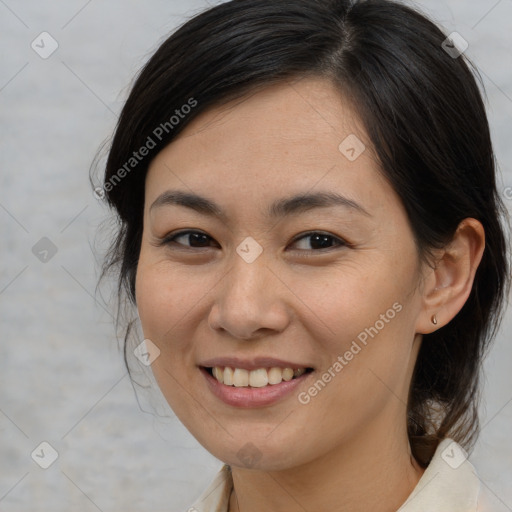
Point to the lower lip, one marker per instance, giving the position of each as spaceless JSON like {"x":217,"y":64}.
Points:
{"x":252,"y":397}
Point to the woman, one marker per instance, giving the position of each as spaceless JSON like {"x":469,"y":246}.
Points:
{"x":310,"y":231}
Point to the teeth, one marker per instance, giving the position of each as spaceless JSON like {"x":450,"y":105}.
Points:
{"x":275,"y":375}
{"x":259,"y":378}
{"x":240,"y":377}
{"x":287,"y":374}
{"x":228,"y":375}
{"x":218,"y":374}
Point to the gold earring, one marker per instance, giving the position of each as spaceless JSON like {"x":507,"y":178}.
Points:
{"x":434,"y":319}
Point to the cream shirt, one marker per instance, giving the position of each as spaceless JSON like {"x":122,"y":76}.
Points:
{"x":449,"y":484}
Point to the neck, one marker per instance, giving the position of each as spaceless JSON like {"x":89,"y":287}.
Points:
{"x":364,"y":473}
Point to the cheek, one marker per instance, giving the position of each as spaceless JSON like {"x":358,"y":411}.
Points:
{"x":163,"y":298}
{"x":356,"y":297}
{"x":370,"y":311}
{"x":152,"y":297}
{"x":163,"y":301}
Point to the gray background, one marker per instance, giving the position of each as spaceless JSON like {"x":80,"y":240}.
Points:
{"x":62,"y":379}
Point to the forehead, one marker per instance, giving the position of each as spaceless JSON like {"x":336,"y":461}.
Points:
{"x":294,"y":111}
{"x":285,"y":137}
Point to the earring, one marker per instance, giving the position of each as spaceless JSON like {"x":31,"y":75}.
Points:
{"x":434,"y":319}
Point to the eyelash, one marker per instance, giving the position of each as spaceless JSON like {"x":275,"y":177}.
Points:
{"x":170,"y":239}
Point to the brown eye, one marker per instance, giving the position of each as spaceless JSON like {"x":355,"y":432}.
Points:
{"x":319,"y":241}
{"x":192,"y":238}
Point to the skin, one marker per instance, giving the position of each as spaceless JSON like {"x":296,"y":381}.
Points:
{"x":347,"y":449}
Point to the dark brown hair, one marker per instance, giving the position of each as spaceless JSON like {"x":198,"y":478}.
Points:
{"x":424,"y":114}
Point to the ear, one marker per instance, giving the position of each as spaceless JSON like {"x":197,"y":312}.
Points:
{"x":448,"y":285}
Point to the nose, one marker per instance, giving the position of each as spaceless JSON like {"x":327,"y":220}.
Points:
{"x":250,"y":301}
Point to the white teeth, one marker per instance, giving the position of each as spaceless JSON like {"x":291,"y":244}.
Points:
{"x":287,"y":374}
{"x":218,"y":374}
{"x":259,"y":378}
{"x":240,"y":377}
{"x":275,"y":375}
{"x":228,"y":375}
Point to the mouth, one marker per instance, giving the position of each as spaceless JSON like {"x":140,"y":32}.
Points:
{"x":261,"y":381}
{"x":257,"y":378}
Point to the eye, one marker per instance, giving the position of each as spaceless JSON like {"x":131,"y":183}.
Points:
{"x":318,"y":241}
{"x":194,"y":238}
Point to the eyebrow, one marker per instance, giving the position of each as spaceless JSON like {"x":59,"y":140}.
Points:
{"x":280,"y":208}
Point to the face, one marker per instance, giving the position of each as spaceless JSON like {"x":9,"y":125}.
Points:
{"x":270,"y":251}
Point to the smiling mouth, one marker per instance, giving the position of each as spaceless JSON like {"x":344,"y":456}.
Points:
{"x":261,"y":377}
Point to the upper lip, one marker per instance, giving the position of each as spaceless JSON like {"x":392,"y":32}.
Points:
{"x":252,"y":364}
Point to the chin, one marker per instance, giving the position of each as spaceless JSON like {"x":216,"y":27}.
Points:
{"x":255,"y":452}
